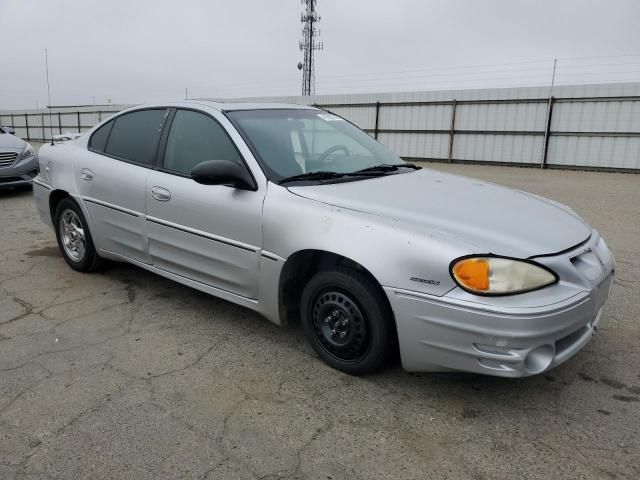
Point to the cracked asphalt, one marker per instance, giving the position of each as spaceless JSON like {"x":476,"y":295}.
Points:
{"x":124,"y":374}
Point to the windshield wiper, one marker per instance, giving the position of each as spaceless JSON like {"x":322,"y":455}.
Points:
{"x":377,"y":170}
{"x":387,"y":167}
{"x":321,"y":175}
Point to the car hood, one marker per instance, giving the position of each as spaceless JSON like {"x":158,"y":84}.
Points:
{"x":11,"y":142}
{"x":494,"y":219}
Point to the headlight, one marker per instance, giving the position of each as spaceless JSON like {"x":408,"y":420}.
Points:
{"x":489,"y":275}
{"x":27,"y":152}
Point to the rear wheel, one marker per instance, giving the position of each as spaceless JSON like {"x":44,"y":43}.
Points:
{"x":347,"y":321}
{"x":74,"y":238}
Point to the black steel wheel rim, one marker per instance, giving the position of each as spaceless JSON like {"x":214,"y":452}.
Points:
{"x":340,"y":325}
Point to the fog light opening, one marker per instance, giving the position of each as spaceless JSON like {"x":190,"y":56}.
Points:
{"x":539,"y":359}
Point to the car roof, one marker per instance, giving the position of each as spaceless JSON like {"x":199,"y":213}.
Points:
{"x":228,"y":106}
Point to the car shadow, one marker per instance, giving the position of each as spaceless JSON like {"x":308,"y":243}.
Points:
{"x":489,"y":390}
{"x":15,"y":192}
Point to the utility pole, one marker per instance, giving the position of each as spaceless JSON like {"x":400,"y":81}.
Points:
{"x":46,"y":66}
{"x":547,"y":129}
{"x":308,"y":45}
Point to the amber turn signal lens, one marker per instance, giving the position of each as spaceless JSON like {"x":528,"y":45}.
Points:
{"x":473,"y":273}
{"x":492,"y":275}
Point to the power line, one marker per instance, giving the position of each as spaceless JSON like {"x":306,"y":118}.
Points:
{"x":564,"y":74}
{"x":601,"y":56}
{"x":547,"y":64}
{"x":437,"y":73}
{"x":535,"y":72}
{"x":570,"y":71}
{"x":479,"y":77}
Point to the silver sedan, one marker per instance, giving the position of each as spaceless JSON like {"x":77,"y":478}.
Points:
{"x":296,"y":213}
{"x":17,"y":160}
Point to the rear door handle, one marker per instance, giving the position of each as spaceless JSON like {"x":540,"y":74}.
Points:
{"x":161,"y":194}
{"x":86,"y":174}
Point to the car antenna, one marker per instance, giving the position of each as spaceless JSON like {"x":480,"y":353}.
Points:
{"x":46,"y":65}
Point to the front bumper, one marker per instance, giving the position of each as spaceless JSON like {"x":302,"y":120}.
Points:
{"x":20,"y":174}
{"x":448,"y":333}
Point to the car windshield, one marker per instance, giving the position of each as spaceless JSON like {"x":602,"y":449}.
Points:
{"x":294,"y":143}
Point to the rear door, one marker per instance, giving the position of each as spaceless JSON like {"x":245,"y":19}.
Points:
{"x":208,"y":233}
{"x":112,"y":176}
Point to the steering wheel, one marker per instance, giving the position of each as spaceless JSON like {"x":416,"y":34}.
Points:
{"x":324,"y":155}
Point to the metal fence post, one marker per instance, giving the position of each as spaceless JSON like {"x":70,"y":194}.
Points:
{"x":78,"y":121}
{"x":452,"y":130}
{"x":375,"y":129}
{"x":26,"y":125}
{"x":547,"y":133}
{"x":13,"y":123}
{"x":42,"y":124}
{"x":59,"y":124}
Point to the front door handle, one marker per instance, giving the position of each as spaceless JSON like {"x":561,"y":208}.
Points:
{"x":86,"y":174}
{"x":161,"y":194}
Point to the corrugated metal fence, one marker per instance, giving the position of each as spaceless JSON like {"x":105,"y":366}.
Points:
{"x":592,"y":126}
{"x":38,"y":125}
{"x":586,"y":126}
{"x":537,"y":131}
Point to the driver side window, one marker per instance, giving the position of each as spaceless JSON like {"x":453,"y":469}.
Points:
{"x":194,"y":138}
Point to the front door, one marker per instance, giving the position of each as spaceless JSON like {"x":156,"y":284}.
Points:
{"x":112,"y":176}
{"x":208,"y":233}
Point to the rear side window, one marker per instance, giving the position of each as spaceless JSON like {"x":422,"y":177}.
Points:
{"x":194,"y":138}
{"x":135,"y":136}
{"x":98,"y":140}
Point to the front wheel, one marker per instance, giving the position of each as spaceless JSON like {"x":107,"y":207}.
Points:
{"x":348,"y":321}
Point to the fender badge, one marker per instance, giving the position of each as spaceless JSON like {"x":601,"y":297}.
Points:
{"x":423,"y":280}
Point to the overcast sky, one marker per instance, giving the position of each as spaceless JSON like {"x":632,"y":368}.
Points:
{"x":144,"y":50}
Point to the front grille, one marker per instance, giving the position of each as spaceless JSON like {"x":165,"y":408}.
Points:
{"x":10,"y":179}
{"x":7,"y":158}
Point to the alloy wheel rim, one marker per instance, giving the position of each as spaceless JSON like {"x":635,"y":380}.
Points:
{"x":72,"y":235}
{"x":340,"y":325}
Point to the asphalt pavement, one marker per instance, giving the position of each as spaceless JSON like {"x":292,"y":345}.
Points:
{"x":124,"y":374}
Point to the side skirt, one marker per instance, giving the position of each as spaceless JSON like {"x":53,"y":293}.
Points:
{"x":250,"y":303}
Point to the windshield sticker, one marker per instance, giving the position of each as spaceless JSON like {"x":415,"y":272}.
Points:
{"x":327,"y":117}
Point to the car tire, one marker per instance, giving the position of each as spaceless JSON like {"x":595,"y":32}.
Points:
{"x":74,"y":237}
{"x":348,"y":321}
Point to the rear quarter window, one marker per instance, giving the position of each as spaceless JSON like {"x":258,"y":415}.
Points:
{"x":98,"y":139}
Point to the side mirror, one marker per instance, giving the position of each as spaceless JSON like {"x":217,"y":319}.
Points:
{"x":223,"y":172}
